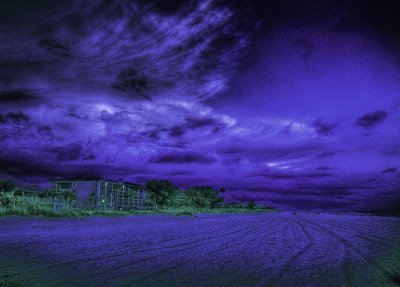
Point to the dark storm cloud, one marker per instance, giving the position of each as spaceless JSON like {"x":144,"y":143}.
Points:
{"x":370,"y":120}
{"x":179,"y":172}
{"x":232,"y":150}
{"x":256,"y":152}
{"x":176,"y":131}
{"x":182,"y":157}
{"x":35,"y":168}
{"x":327,"y":154}
{"x":89,"y":157}
{"x":167,"y":7}
{"x":393,"y":150}
{"x":44,"y":129}
{"x":54,"y":48}
{"x":17,"y":165}
{"x":306,"y":46}
{"x":77,"y":113}
{"x":152,"y":135}
{"x":290,"y":175}
{"x":323,"y":128}
{"x":333,"y":191}
{"x":131,"y":81}
{"x":194,"y":123}
{"x":17,"y":97}
{"x":389,"y":170}
{"x":342,"y":191}
{"x":382,"y":16}
{"x":127,"y":48}
{"x":324,"y":191}
{"x":309,"y":200}
{"x":315,"y":202}
{"x":14,"y":118}
{"x":286,"y":130}
{"x":324,"y":168}
{"x":114,"y":118}
{"x":341,"y":23}
{"x":68,"y":152}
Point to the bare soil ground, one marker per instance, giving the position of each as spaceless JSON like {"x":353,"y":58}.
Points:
{"x":272,"y":249}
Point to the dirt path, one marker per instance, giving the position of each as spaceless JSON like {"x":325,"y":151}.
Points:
{"x":279,"y":249}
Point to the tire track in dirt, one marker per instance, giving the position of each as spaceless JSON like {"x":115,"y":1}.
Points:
{"x":351,"y":231}
{"x":348,"y":244}
{"x":108,"y":256}
{"x":173,"y":252}
{"x":294,"y":257}
{"x":95,"y":248}
{"x":383,"y":226}
{"x":236,"y":242}
{"x":152,"y":275}
{"x":344,"y":262}
{"x":243,"y":231}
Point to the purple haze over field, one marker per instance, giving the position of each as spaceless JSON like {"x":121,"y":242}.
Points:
{"x":292,"y":105}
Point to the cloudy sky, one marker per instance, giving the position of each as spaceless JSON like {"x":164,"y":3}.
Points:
{"x":295,"y":104}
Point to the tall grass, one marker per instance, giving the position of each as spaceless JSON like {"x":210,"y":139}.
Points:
{"x":22,"y":207}
{"x":36,"y":210}
{"x":9,"y":280}
{"x":220,"y":210}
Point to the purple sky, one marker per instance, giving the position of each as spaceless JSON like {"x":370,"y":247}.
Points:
{"x":293,"y":105}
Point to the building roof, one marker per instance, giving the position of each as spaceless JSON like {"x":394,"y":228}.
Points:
{"x":84,"y":178}
{"x":80,"y":178}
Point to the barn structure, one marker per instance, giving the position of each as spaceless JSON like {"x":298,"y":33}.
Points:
{"x":104,"y":194}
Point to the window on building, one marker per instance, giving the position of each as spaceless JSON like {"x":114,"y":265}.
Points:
{"x":65,"y":185}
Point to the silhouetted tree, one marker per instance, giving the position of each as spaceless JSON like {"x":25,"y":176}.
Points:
{"x":6,"y":186}
{"x":203,"y":197}
{"x":160,"y":191}
{"x":251,"y":204}
{"x":7,"y":197}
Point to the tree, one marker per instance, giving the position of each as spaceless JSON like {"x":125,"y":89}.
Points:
{"x":251,"y":204}
{"x":179,"y":200}
{"x":7,"y":197}
{"x":6,"y":186}
{"x":160,"y":191}
{"x":203,"y":197}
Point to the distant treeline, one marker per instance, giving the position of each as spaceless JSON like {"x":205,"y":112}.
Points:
{"x":165,"y":194}
{"x":162,"y":193}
